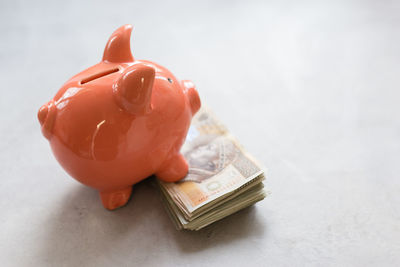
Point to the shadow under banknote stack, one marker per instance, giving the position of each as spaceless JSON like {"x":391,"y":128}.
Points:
{"x":223,"y":178}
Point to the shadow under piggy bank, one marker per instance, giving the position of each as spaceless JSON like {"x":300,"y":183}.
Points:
{"x":81,"y":232}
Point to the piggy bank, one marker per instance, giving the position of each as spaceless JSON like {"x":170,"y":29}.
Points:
{"x":120,"y":121}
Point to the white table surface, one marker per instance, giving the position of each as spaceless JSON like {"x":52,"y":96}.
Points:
{"x":310,"y":88}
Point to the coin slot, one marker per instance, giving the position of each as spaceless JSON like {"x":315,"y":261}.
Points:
{"x":99,"y":75}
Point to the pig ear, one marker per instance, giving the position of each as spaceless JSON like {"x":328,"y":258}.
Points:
{"x":134,"y":88}
{"x":118,"y":48}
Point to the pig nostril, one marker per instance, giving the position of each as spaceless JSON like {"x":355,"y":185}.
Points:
{"x":42,"y":114}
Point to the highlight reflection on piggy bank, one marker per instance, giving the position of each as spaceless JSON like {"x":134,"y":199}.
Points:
{"x":120,"y":121}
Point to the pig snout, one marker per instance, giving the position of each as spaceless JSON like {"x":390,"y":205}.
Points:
{"x":193,"y":95}
{"x":46,"y":116}
{"x":42,"y":114}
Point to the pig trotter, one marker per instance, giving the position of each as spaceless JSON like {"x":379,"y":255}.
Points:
{"x":174,"y":169}
{"x":115,"y":199}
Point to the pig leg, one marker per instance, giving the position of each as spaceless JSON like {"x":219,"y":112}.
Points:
{"x":115,"y":198}
{"x":174,"y":169}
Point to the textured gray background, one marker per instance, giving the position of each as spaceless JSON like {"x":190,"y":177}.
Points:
{"x":310,"y":88}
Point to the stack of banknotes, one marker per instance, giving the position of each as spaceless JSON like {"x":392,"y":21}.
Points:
{"x":223,"y":178}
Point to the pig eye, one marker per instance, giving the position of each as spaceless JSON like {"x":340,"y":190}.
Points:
{"x":170,"y":80}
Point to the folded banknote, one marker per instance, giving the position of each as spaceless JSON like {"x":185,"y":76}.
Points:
{"x":222,"y":179}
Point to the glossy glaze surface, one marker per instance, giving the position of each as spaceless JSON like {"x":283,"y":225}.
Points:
{"x":120,"y":121}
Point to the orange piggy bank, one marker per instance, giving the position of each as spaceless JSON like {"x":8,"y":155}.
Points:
{"x":120,"y":121}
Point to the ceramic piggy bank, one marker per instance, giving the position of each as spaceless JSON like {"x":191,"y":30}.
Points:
{"x":120,"y":121}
